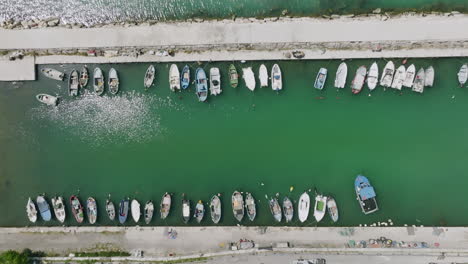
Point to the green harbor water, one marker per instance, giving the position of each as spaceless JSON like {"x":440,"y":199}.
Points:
{"x":140,"y":144}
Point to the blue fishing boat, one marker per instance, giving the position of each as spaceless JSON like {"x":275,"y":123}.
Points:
{"x":44,"y":208}
{"x":185,"y":77}
{"x":321,"y":78}
{"x":202,"y":87}
{"x":365,"y":195}
{"x":123,"y":210}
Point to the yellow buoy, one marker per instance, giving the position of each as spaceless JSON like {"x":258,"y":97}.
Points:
{"x":291,"y":188}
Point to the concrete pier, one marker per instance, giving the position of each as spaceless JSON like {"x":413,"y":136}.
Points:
{"x":17,"y":70}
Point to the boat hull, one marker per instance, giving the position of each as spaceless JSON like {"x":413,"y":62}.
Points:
{"x":276,"y":78}
{"x":114,"y":82}
{"x":341,"y":74}
{"x":237,"y":206}
{"x":250,"y":206}
{"x":123,"y":211}
{"x":174,"y":78}
{"x":149,"y":77}
{"x":320,"y":79}
{"x":215,"y":209}
{"x":320,"y":207}
{"x":44,"y":208}
{"x":136,"y":211}
{"x":185,"y":77}
{"x":303,"y":207}
{"x":149,"y":210}
{"x":165,"y":206}
{"x":77,"y":209}
{"x":365,"y":195}
{"x":202,"y":86}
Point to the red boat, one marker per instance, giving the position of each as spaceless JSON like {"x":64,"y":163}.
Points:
{"x":77,"y":208}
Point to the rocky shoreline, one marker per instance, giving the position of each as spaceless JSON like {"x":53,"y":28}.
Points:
{"x":58,"y":22}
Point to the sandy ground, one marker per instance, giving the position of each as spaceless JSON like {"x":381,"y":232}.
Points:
{"x":203,"y":240}
{"x":410,"y":28}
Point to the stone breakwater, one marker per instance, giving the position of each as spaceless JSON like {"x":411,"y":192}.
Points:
{"x":58,"y":22}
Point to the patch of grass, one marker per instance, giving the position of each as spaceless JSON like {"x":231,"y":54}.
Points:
{"x":3,"y":52}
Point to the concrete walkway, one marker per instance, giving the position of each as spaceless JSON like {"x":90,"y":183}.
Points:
{"x":197,"y":240}
{"x":299,"y":30}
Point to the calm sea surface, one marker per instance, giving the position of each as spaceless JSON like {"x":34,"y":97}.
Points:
{"x":105,"y":11}
{"x":141,"y":144}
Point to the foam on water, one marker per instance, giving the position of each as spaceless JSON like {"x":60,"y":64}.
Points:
{"x":105,"y":119}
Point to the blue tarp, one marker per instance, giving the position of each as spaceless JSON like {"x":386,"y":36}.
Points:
{"x":367,"y":193}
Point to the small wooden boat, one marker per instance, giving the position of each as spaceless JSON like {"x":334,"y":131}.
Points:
{"x":47,"y":99}
{"x":373,"y":76}
{"x":341,"y":74}
{"x":110,"y":209}
{"x":276,"y":78}
{"x":409,"y":76}
{"x":165,"y":205}
{"x":320,"y":79}
{"x":463,"y":75}
{"x":249,"y":78}
{"x":320,"y":207}
{"x":387,"y":74}
{"x":174,"y":78}
{"x":358,"y":81}
{"x":303,"y":207}
{"x":31,"y":211}
{"x":185,"y":78}
{"x":237,"y":205}
{"x":113,"y":81}
{"x":332,"y":209}
{"x":202,"y":87}
{"x":365,"y":195}
{"x":418,"y":85}
{"x":275,"y":209}
{"x":250,"y":206}
{"x":59,"y":208}
{"x":84,"y":77}
{"x":73,"y":83}
{"x":91,"y":210}
{"x":215,"y":209}
{"x":185,"y":210}
{"x":233,"y":76}
{"x":429,"y":77}
{"x":136,"y":211}
{"x":399,"y":77}
{"x":148,"y":212}
{"x":199,"y":211}
{"x":215,"y":81}
{"x":263,"y":76}
{"x":288,"y":209}
{"x":44,"y":208}
{"x":98,"y":81}
{"x":149,"y":76}
{"x":123,"y":210}
{"x":77,"y":208}
{"x":53,"y":74}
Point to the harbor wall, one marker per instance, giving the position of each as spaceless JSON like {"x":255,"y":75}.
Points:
{"x":189,"y":241}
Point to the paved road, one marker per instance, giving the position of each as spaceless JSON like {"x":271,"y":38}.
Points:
{"x":413,"y":28}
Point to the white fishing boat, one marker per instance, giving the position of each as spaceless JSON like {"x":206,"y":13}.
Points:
{"x":113,"y":81}
{"x":429,"y":77}
{"x":358,"y":81}
{"x":31,"y":211}
{"x":249,"y":78}
{"x":463,"y":75}
{"x":409,"y":77}
{"x":237,"y":205}
{"x":215,"y":81}
{"x":199,"y":211}
{"x":418,"y":85}
{"x":148,"y":211}
{"x":84,"y":77}
{"x":250,"y":206}
{"x":332,"y":209}
{"x":276,"y":78}
{"x":98,"y":81}
{"x":341,"y":73}
{"x":91,"y":209}
{"x":275,"y":209}
{"x":59,"y":208}
{"x":387,"y":74}
{"x":136,"y":212}
{"x":263,"y":76}
{"x":303,"y":207}
{"x":73,"y":83}
{"x":174,"y":78}
{"x":149,"y":76}
{"x":186,"y":210}
{"x":321,"y":78}
{"x":47,"y":99}
{"x":110,"y":209}
{"x":165,"y":206}
{"x":215,"y":209}
{"x":399,"y":78}
{"x":288,"y":209}
{"x":53,"y":74}
{"x":373,"y":76}
{"x":320,"y":207}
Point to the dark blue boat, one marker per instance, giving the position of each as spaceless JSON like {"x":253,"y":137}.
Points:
{"x":44,"y":208}
{"x":202,"y":87}
{"x":185,"y":77}
{"x":123,"y":210}
{"x":365,"y":195}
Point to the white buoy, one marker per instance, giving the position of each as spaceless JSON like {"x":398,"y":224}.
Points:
{"x":391,"y":224}
{"x":405,"y":225}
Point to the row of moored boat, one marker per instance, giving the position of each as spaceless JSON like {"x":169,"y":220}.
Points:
{"x":240,"y":206}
